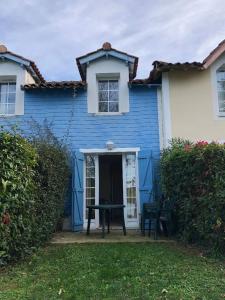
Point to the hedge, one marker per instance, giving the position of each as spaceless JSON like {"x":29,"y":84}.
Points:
{"x":34,"y":177}
{"x":193,"y":176}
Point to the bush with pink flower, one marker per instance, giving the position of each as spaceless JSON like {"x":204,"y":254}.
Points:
{"x":193,"y":175}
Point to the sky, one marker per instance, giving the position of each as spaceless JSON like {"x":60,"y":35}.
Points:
{"x":54,"y":32}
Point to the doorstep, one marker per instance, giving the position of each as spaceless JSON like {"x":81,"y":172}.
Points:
{"x":115,"y":236}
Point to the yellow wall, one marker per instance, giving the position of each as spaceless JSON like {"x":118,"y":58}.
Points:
{"x":192,"y":107}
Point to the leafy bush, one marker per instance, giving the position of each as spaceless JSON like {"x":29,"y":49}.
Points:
{"x":34,"y":176}
{"x":52,"y":180}
{"x":193,"y":175}
{"x":17,"y":188}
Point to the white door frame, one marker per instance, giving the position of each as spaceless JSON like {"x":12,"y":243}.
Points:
{"x":132,"y":223}
{"x":123,"y":152}
{"x":94,"y":222}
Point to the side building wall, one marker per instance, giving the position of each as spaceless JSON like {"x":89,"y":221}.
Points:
{"x":192,"y":106}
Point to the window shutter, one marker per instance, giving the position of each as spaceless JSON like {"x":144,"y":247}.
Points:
{"x":77,"y":191}
{"x":145,"y":176}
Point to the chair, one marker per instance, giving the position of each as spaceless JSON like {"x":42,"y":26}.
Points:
{"x":151,"y":213}
{"x":166,"y":216}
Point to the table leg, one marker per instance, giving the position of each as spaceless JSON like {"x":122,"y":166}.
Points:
{"x":103,"y":223}
{"x":89,"y":220}
{"x":124,"y":227}
{"x":108,"y":219}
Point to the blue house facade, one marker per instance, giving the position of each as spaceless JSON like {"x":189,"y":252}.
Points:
{"x":109,"y":120}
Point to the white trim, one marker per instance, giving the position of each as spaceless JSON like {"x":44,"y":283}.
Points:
{"x":96,"y":190}
{"x":104,"y":150}
{"x":215,"y":66}
{"x":133,"y":223}
{"x":166,"y":113}
{"x":94,"y":222}
{"x":160,"y":120}
{"x":130,"y":223}
{"x":108,"y":114}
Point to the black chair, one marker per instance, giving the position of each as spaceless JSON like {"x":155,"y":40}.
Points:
{"x":166,"y":216}
{"x":150,"y":213}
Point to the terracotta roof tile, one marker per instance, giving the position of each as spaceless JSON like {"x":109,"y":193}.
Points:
{"x":55,"y":85}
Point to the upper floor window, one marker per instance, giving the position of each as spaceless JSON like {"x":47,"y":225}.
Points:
{"x":220,"y":74}
{"x":108,"y":96}
{"x":7,"y":98}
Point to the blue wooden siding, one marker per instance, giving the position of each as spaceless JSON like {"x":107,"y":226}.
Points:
{"x":70,"y":120}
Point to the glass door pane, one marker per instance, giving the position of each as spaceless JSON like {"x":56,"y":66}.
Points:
{"x":90,"y":183}
{"x":130,"y":182}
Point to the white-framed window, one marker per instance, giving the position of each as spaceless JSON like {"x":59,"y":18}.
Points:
{"x":7,"y":98}
{"x":108,"y":96}
{"x":220,"y":77}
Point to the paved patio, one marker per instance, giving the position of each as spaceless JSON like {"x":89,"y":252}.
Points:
{"x":115,"y":236}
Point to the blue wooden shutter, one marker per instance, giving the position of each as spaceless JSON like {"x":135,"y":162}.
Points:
{"x":145,"y":176}
{"x":77,"y":200}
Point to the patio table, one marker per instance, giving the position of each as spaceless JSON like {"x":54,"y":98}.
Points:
{"x":103,"y":208}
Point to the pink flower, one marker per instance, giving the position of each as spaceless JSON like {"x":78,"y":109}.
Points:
{"x":201,"y":143}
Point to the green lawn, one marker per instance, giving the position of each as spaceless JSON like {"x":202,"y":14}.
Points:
{"x":114,"y":271}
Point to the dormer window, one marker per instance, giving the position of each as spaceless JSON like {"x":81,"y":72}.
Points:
{"x":7,"y":98}
{"x":108,"y":96}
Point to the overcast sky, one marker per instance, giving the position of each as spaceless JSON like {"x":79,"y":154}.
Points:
{"x":54,"y":32}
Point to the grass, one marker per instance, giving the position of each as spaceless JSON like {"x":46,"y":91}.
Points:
{"x":114,"y":271}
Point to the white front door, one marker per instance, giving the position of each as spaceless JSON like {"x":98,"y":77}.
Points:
{"x":130,"y":188}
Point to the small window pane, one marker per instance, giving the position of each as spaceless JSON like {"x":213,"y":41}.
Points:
{"x":11,"y":98}
{"x":90,"y":161}
{"x":103,"y":85}
{"x":90,"y":192}
{"x":113,"y":96}
{"x":103,"y":106}
{"x":11,"y":109}
{"x":221,"y":75}
{"x":3,"y":108}
{"x":221,"y":85}
{"x":4,"y":87}
{"x":131,"y":208}
{"x":3,"y":97}
{"x":131,"y":192}
{"x":12,"y":87}
{"x":113,"y":85}
{"x":113,"y":106}
{"x":90,"y":172}
{"x":103,"y":96}
{"x":90,"y":182}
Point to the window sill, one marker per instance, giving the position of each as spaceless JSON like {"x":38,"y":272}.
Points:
{"x":7,"y":116}
{"x":221,"y":115}
{"x":108,"y":114}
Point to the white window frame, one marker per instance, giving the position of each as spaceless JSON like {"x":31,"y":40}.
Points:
{"x":108,"y":90}
{"x":219,"y":116}
{"x":108,"y":77}
{"x":217,"y":88}
{"x":7,"y":80}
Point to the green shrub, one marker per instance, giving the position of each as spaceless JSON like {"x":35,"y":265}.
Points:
{"x":193,"y":175}
{"x":34,"y":177}
{"x":52,"y":180}
{"x":17,"y":188}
